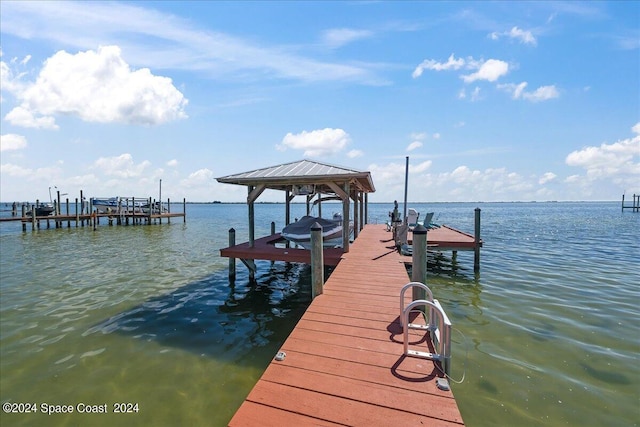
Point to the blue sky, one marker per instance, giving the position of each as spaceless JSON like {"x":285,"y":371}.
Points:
{"x":491,"y":101}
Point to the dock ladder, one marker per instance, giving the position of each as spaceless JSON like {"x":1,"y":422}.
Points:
{"x":437,"y":325}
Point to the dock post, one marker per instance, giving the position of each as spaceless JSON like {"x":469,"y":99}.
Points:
{"x":150,"y":211}
{"x":68,"y":218}
{"x":24,"y":213}
{"x":33,"y":217}
{"x":184,"y":210}
{"x":419,"y":261}
{"x":77,"y":213}
{"x":476,"y":242}
{"x":623,"y":202}
{"x":317,"y":261}
{"x":232,"y":261}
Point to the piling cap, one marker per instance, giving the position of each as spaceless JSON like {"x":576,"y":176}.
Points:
{"x":316,"y":226}
{"x":420,"y":229}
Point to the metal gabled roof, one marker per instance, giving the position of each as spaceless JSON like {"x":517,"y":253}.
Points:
{"x":303,"y":172}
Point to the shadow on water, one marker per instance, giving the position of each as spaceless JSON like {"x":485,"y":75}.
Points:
{"x":606,"y":376}
{"x":226,"y":320}
{"x":439,"y":264}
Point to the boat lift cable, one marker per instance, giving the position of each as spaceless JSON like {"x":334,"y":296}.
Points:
{"x":464,"y":364}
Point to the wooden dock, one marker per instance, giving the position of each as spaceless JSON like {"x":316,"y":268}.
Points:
{"x":272,"y":247}
{"x":344,"y":361}
{"x":91,"y":219}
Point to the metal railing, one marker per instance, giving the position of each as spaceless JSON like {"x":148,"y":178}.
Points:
{"x":437,"y":325}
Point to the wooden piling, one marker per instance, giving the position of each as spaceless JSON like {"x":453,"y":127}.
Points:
{"x":317,"y":261}
{"x":476,"y":248}
{"x":232,"y":261}
{"x":419,"y":261}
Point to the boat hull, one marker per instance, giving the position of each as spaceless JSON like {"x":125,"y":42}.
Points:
{"x":299,"y":232}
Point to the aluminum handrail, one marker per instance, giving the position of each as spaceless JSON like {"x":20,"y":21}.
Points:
{"x":440,"y":336}
{"x":408,"y":286}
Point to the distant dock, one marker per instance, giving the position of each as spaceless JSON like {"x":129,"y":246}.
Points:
{"x":81,"y":215}
{"x":635,"y":204}
{"x":344,"y":362}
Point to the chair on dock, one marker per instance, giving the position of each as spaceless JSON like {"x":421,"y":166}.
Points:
{"x":401,"y":239}
{"x":427,"y":220}
{"x":412,"y":218}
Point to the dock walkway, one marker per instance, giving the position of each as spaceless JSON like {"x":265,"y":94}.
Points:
{"x":344,"y":361}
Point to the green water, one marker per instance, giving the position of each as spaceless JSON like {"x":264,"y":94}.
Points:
{"x":546,"y":333}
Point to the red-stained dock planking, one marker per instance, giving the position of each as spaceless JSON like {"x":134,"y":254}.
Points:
{"x":344,"y":362}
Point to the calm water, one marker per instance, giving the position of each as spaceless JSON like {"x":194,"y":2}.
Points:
{"x":547,"y":332}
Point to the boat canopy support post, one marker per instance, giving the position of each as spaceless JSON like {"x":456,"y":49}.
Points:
{"x":287,"y":200}
{"x":253,"y":193}
{"x":356,"y":216}
{"x":317,"y":261}
{"x":366,"y":208}
{"x":343,"y":193}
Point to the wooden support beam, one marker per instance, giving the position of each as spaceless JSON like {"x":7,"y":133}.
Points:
{"x":255,"y":192}
{"x":344,"y":195}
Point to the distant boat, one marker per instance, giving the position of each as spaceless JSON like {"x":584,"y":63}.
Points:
{"x":299,"y":232}
{"x":107,"y":205}
{"x":43,"y":209}
{"x":156,"y":208}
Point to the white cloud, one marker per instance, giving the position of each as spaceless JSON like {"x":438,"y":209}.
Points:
{"x":636,"y":128}
{"x":618,"y":163}
{"x":16,"y":171}
{"x":98,"y":86}
{"x":177,"y":43}
{"x":121,"y":166}
{"x":490,"y":70}
{"x":431,"y":64}
{"x":419,"y":136}
{"x":21,"y":116}
{"x":523,"y":36}
{"x":543,"y":93}
{"x":8,"y":81}
{"x":608,"y":160}
{"x":475,"y":95}
{"x":414,"y":145}
{"x":319,"y":142}
{"x":11,"y":141}
{"x":172,"y":163}
{"x":420,"y":167}
{"x":352,"y":154}
{"x":339,"y":37}
{"x":436,"y":135}
{"x":199,"y":178}
{"x":547,"y":177}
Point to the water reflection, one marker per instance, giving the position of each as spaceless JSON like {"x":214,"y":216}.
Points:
{"x":218,"y":318}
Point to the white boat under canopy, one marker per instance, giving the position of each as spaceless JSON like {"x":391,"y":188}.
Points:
{"x":299,"y":232}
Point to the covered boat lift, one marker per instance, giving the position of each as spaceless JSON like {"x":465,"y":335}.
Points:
{"x":317,"y":182}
